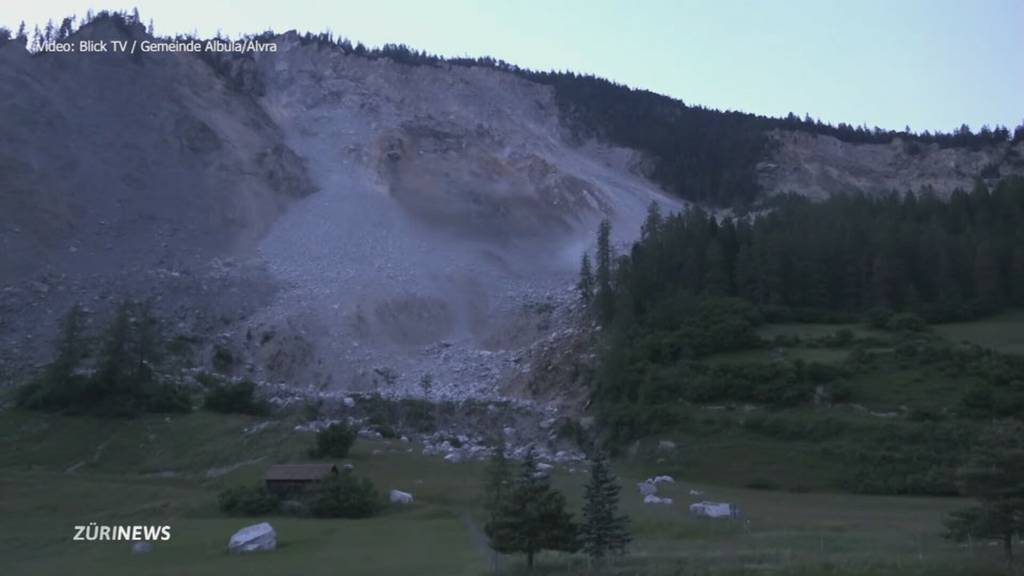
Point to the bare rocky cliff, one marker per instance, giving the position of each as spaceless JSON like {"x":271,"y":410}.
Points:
{"x":351,"y":224}
{"x":330,"y":222}
{"x":818,"y":166}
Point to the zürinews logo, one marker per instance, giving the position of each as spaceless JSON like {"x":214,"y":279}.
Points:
{"x":93,"y":532}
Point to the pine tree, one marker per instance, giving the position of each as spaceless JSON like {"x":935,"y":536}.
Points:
{"x":21,"y":32}
{"x":604,"y":298}
{"x":498,"y":479}
{"x":532,"y":518}
{"x":716,"y":277}
{"x":603,"y":531}
{"x":652,"y":223}
{"x":585,"y":285}
{"x":745,"y":277}
{"x":71,"y":346}
{"x":987,"y":281}
{"x":994,"y":475}
{"x":116,"y":363}
{"x":1016,"y":274}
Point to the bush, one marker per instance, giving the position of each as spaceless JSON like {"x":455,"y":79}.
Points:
{"x":905,"y":322}
{"x":168,"y":398}
{"x":878,"y":318}
{"x":334,"y":441}
{"x":223,"y":359}
{"x":841,"y":337}
{"x":233,"y":398}
{"x":247,"y":500}
{"x":842,"y":393}
{"x":344,"y":496}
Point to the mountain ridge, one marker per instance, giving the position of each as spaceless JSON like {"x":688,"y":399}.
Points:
{"x":346,"y":219}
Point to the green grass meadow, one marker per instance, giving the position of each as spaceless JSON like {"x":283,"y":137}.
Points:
{"x":57,"y":472}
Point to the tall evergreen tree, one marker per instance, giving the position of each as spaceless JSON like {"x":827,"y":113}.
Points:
{"x":532,"y":518}
{"x":585,"y":285}
{"x":604,"y":298}
{"x":498,"y":479}
{"x":652,"y":223}
{"x":603,"y":531}
{"x":994,"y":475}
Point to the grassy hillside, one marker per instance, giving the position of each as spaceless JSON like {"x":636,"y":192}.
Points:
{"x":57,"y":472}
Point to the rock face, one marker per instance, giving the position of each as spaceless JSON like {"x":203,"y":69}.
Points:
{"x":334,"y":222}
{"x":253,"y":538}
{"x":819,"y":166}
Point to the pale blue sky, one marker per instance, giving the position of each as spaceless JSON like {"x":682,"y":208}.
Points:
{"x":932,"y":64}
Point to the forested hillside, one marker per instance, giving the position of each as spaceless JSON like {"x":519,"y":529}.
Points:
{"x":840,"y":258}
{"x":697,"y":311}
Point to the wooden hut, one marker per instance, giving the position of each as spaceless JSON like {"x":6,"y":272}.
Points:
{"x":289,"y":478}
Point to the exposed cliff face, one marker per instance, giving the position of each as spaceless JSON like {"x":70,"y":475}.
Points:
{"x":335,"y":221}
{"x":818,"y":166}
{"x":109,"y":162}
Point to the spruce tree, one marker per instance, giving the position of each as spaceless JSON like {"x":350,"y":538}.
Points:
{"x":994,"y":475}
{"x":532,"y":518}
{"x":498,"y":479}
{"x":586,"y":281}
{"x":604,"y":298}
{"x":603,"y":531}
{"x":652,"y":223}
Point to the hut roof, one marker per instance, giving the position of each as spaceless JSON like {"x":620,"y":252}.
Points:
{"x":299,"y":471}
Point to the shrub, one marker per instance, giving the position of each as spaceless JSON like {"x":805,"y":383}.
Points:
{"x":169,"y":398}
{"x":345,"y":496}
{"x":841,"y":337}
{"x":842,"y":392}
{"x":233,"y":398}
{"x":905,"y":322}
{"x":223,"y":359}
{"x":878,"y":318}
{"x":247,"y":500}
{"x":334,"y":441}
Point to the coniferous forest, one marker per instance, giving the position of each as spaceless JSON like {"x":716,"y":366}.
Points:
{"x":839,"y":259}
{"x":696,"y":286}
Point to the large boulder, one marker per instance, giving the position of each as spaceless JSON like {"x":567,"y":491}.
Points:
{"x":252,"y":538}
{"x":142,"y":547}
{"x":652,"y":499}
{"x":647,"y":488}
{"x":714,"y":510}
{"x":399,"y":497}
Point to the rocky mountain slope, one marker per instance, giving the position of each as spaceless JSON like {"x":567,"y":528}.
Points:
{"x":818,"y":165}
{"x":332,"y":222}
